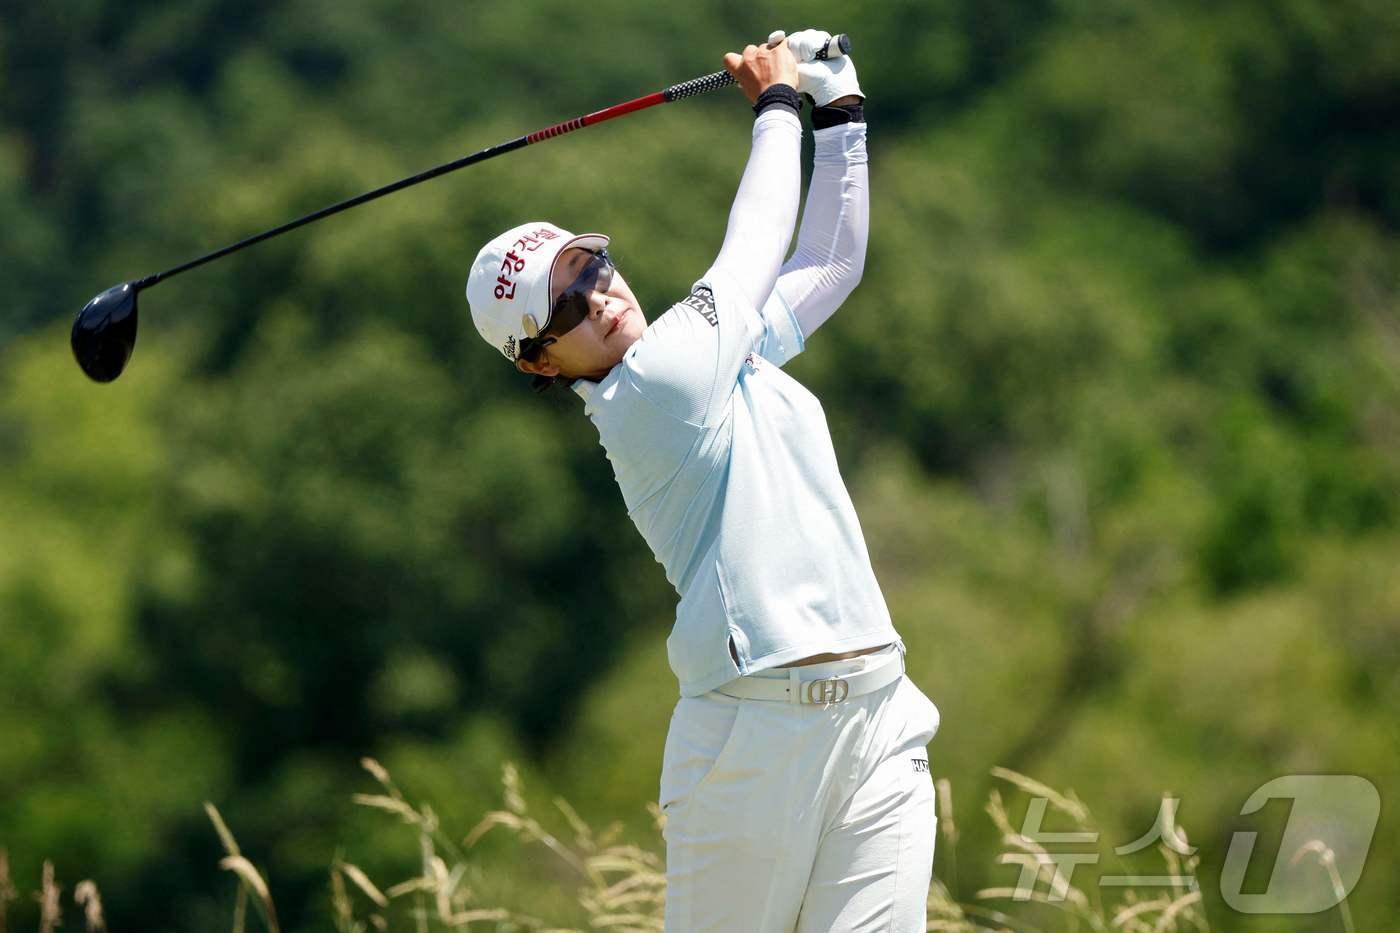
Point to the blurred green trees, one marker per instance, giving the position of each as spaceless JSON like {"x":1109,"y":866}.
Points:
{"x":1118,"y":401}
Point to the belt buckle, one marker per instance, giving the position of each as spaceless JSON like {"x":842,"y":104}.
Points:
{"x":827,"y":691}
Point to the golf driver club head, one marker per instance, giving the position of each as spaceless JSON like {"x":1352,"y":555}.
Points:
{"x":105,"y":333}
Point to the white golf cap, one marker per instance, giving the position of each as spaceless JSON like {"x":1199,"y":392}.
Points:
{"x":508,"y":288}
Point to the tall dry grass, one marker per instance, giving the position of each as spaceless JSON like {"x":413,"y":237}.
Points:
{"x":49,"y":898}
{"x":621,"y":886}
{"x":1133,"y":910}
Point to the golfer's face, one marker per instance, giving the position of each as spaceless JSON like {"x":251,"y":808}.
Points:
{"x":614,"y":321}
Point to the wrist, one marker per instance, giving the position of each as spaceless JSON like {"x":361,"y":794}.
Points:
{"x":835,"y":114}
{"x":778,"y":96}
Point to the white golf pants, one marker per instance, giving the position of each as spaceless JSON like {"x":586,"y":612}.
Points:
{"x":783,"y":817}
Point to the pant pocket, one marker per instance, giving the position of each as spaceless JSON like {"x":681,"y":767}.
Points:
{"x":921,"y":715}
{"x":702,"y":735}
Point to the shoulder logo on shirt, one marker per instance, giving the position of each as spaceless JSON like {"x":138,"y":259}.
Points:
{"x":703,"y":300}
{"x":920,"y":765}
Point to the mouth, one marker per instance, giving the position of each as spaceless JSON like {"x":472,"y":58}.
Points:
{"x":617,"y":322}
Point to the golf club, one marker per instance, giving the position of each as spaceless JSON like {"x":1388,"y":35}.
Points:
{"x":104,"y":333}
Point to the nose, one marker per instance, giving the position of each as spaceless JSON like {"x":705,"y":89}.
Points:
{"x":597,"y":303}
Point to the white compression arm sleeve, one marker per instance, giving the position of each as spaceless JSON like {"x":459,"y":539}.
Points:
{"x":830,"y":256}
{"x":765,"y":209}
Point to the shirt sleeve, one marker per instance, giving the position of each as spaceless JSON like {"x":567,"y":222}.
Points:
{"x":827,"y":264}
{"x":765,"y":209}
{"x":689,"y":359}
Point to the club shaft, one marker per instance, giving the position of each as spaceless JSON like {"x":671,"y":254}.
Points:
{"x":680,"y":91}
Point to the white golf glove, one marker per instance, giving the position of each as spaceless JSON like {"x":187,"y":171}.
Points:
{"x":823,"y":81}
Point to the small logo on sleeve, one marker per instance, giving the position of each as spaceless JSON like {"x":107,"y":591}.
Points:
{"x":703,"y":301}
{"x":920,"y":765}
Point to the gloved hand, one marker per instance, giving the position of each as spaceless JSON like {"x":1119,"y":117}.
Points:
{"x":823,"y":81}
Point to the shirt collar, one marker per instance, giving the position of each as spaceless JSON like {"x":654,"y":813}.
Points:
{"x":585,"y":388}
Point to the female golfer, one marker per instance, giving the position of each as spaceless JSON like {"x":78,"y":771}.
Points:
{"x":795,"y":778}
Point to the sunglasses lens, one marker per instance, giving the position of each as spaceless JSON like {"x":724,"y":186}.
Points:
{"x":571,"y":307}
{"x":569,"y":313}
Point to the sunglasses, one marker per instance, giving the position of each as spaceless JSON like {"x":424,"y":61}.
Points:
{"x":571,"y":307}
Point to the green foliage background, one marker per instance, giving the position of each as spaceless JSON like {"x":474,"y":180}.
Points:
{"x":1118,"y":399}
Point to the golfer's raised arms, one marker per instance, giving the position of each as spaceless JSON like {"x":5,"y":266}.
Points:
{"x":765,"y":209}
{"x":830,"y":255}
{"x":827,"y":264}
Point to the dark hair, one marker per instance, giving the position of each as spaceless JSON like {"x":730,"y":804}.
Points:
{"x":530,"y":349}
{"x":544,"y":383}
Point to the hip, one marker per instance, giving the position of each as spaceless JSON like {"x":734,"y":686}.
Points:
{"x":768,"y":752}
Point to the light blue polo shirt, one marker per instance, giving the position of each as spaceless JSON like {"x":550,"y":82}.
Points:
{"x":727,"y":468}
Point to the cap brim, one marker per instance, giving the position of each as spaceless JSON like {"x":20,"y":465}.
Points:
{"x":590,"y":241}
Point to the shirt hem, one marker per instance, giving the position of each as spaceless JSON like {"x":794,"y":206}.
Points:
{"x":774,"y":659}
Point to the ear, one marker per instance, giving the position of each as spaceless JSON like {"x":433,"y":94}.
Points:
{"x":541,"y":367}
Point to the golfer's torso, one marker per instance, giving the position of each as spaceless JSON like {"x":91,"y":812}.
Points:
{"x":745,"y":506}
{"x":790,"y":561}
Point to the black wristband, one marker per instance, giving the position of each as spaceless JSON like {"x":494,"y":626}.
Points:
{"x":823,"y":117}
{"x":778,"y":95}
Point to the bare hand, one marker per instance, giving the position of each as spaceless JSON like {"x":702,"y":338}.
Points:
{"x":760,"y":67}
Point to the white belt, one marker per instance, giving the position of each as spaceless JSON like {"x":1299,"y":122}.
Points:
{"x":801,"y":686}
